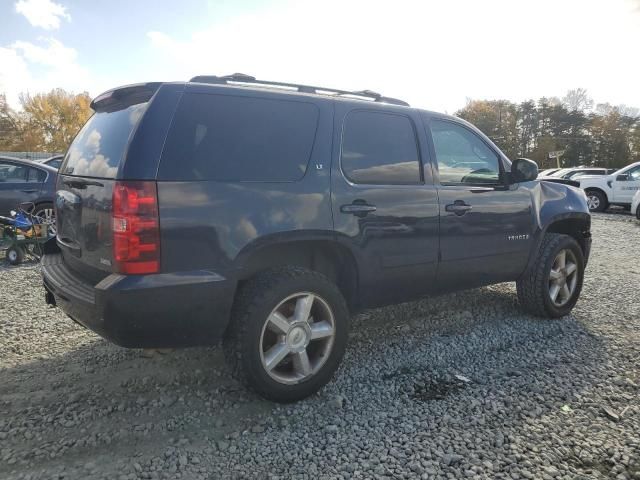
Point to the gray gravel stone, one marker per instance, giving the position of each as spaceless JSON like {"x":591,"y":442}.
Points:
{"x":76,"y":407}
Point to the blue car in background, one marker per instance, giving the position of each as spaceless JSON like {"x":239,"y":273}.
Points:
{"x":54,"y":161}
{"x":24,"y":181}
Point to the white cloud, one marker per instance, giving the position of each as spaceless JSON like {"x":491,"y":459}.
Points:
{"x":40,"y":67}
{"x":43,"y":13}
{"x":51,"y":54}
{"x":433,"y":54}
{"x":13,"y":75}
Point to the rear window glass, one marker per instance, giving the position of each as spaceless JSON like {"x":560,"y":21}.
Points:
{"x":234,"y":138}
{"x":99,"y":147}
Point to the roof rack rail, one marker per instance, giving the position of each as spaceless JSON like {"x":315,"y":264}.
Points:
{"x":241,"y":78}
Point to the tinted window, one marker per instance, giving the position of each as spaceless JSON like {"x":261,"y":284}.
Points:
{"x":36,"y":176}
{"x":380,"y":148}
{"x":462,"y":156}
{"x":12,"y":173}
{"x":227,"y":138}
{"x":99,"y":147}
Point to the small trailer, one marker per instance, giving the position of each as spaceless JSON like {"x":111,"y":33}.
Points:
{"x":23,"y":234}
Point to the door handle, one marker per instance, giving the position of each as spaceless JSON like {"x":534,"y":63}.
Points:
{"x":30,"y":190}
{"x":459,"y":207}
{"x":358,"y":209}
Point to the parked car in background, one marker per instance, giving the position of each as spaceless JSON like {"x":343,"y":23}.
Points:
{"x":635,"y":204}
{"x":548,"y":171}
{"x":573,"y":173}
{"x":54,"y":161}
{"x":24,"y":181}
{"x":617,"y":188}
{"x":266,"y":213}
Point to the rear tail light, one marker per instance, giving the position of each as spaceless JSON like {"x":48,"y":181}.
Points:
{"x":136,"y":228}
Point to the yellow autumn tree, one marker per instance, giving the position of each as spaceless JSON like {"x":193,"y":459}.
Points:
{"x":49,"y":121}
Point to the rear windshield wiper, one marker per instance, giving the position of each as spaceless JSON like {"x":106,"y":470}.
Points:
{"x":81,"y":182}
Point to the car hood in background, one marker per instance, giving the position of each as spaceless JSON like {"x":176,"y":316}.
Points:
{"x":572,"y":183}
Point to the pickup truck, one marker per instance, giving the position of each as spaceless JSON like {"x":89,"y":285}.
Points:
{"x":615,"y":189}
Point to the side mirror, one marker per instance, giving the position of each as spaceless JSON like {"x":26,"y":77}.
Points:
{"x":523,"y":170}
{"x":623,"y":177}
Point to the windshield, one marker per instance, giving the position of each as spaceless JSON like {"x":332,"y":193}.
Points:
{"x":626,"y":169}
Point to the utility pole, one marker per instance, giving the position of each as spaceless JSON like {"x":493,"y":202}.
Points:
{"x":556,"y":154}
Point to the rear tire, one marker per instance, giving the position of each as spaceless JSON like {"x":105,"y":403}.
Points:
{"x":288,"y":333}
{"x":552,"y":286}
{"x":597,"y":201}
{"x":15,"y":255}
{"x":638,"y":212}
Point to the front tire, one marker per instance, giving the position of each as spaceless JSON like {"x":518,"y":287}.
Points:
{"x":552,"y":286}
{"x":638,"y":212}
{"x":596,"y":201}
{"x":288,"y":333}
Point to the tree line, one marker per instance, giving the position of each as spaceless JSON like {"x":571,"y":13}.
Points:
{"x":603,"y":136}
{"x":47,"y":122}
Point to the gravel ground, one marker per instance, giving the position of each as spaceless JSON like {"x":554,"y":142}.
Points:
{"x":462,"y":385}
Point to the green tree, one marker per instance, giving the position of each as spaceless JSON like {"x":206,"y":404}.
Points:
{"x":606,"y":136}
{"x":497,"y":119}
{"x":612,"y":138}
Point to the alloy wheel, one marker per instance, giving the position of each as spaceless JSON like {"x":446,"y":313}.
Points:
{"x":297,"y":338}
{"x":563,"y":277}
{"x":593,"y":202}
{"x":48,"y":217}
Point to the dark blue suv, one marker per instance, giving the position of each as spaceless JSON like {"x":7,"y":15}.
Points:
{"x":264,"y":214}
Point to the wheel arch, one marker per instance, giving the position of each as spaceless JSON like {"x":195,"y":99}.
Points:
{"x":575,"y":224}
{"x":43,"y":201}
{"x":597,"y":189}
{"x":577,"y":227}
{"x":322,"y":255}
{"x":594,"y":187}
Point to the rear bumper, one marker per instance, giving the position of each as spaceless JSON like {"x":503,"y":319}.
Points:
{"x":144,"y":311}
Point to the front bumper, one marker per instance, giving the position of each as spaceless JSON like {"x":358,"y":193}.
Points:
{"x":144,"y":311}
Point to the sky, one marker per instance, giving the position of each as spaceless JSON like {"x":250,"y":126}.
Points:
{"x":433,"y":54}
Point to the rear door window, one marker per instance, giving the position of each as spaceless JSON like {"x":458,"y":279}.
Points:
{"x":380,"y":148}
{"x":100,"y":145}
{"x":238,"y":138}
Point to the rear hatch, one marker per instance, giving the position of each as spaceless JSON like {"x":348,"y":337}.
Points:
{"x":87,"y":181}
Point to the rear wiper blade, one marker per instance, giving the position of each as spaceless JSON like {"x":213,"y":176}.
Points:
{"x":81,"y":182}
